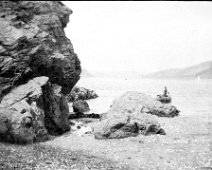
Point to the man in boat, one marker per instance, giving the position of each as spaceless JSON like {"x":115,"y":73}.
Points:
{"x":165,"y":92}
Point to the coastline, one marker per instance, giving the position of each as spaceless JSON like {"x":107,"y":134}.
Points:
{"x":184,"y":147}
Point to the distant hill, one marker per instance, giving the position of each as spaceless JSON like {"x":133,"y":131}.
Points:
{"x":117,"y":74}
{"x":202,"y":70}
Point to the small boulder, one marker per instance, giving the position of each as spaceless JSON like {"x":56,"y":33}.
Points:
{"x":80,"y":106}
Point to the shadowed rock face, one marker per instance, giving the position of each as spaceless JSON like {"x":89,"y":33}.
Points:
{"x":35,"y":56}
{"x":56,"y":110}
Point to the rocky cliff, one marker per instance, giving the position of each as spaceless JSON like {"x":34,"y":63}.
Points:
{"x":37,"y":62}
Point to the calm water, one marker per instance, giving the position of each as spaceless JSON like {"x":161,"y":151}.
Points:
{"x":191,"y":97}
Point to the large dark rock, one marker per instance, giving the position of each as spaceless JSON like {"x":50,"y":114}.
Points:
{"x":56,"y":109}
{"x":81,"y":93}
{"x":33,"y":45}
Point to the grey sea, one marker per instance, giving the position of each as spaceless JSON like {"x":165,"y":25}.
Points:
{"x":191,"y":97}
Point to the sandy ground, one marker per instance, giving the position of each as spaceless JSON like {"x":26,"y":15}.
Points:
{"x":187,"y":146}
{"x":43,"y":157}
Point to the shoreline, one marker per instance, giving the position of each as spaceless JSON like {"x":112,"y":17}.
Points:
{"x":183,"y":147}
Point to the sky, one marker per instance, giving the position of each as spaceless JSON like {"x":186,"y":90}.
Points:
{"x":140,"y":36}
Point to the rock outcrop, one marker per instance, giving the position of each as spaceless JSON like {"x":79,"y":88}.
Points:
{"x":81,"y":93}
{"x":38,"y":67}
{"x":132,"y":114}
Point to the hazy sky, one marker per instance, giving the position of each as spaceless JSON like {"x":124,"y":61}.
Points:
{"x":140,"y":36}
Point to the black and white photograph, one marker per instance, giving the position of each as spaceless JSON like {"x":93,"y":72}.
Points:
{"x":105,"y":85}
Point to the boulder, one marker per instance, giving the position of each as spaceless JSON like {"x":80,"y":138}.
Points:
{"x":132,"y":114}
{"x":38,"y":67}
{"x":80,"y":106}
{"x":81,"y":93}
{"x":133,"y":101}
{"x":118,"y":125}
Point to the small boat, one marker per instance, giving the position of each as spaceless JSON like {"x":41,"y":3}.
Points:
{"x":164,"y":99}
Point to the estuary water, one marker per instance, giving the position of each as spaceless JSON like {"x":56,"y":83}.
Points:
{"x":191,"y":97}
